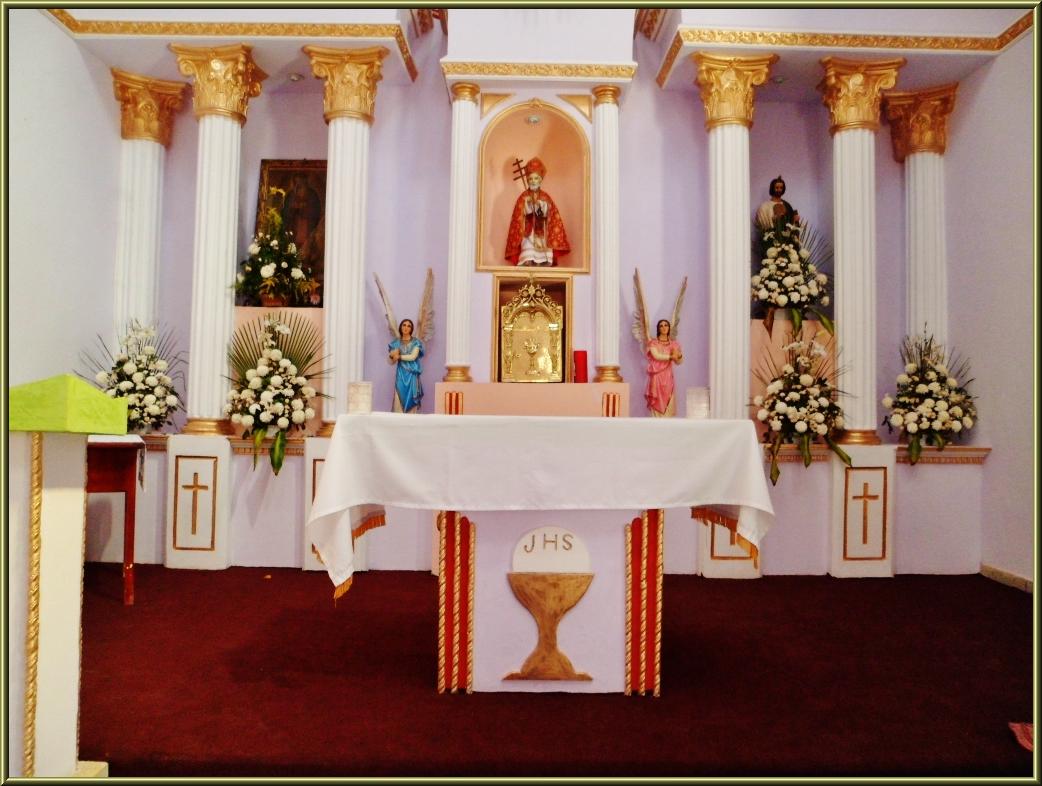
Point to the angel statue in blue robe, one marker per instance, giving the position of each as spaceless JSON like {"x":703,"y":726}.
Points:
{"x":408,"y":346}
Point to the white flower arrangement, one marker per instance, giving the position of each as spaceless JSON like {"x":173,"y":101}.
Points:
{"x":799,"y":402}
{"x":273,"y":271}
{"x":932,"y":404}
{"x":792,"y":275}
{"x":143,"y":371}
{"x":275,"y":362}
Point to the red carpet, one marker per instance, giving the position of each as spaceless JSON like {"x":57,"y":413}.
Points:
{"x":232,"y":673}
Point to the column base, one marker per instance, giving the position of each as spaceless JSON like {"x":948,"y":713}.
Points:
{"x":208,"y":427}
{"x":457,"y":374}
{"x":327,"y":429}
{"x":607,"y":374}
{"x":860,"y":436}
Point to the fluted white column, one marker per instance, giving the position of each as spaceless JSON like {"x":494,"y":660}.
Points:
{"x":926,"y":247}
{"x":606,"y":230}
{"x":225,"y":78}
{"x":147,"y":109}
{"x":852,"y":92}
{"x":727,"y":89}
{"x":344,"y":296}
{"x":919,"y":134}
{"x":853,"y":161}
{"x":729,"y":271}
{"x":213,"y":264}
{"x":463,"y":200}
{"x":137,"y":236}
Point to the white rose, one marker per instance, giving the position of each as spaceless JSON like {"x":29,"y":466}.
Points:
{"x":758,"y":401}
{"x":151,"y":381}
{"x":911,"y":428}
{"x":942,"y":405}
{"x":152,"y":409}
{"x":284,"y":363}
{"x":276,"y":381}
{"x":111,"y":392}
{"x":787,"y":369}
{"x":297,"y":416}
{"x":125,"y":385}
{"x":309,"y":413}
{"x":825,"y":300}
{"x":255,"y":383}
{"x":804,"y":254}
{"x":897,"y":419}
{"x":782,"y":300}
{"x":236,"y":417}
{"x":788,"y":281}
{"x":132,"y":414}
{"x":278,"y":407}
{"x":967,"y":422}
{"x":934,"y":386}
{"x":910,"y":368}
{"x":254,"y":248}
{"x":775,"y":425}
{"x":101,"y":377}
{"x":274,"y":243}
{"x":903,"y":379}
{"x":247,"y":420}
{"x":772,"y":252}
{"x":823,"y":402}
{"x":956,"y":411}
{"x":138,"y":377}
{"x":956,"y":426}
{"x":282,"y":423}
{"x":267,"y":397}
{"x":801,"y":426}
{"x":806,"y":380}
{"x":781,"y":407}
{"x":275,"y":353}
{"x":268,"y":270}
{"x":129,"y":367}
{"x":262,"y":370}
{"x":795,"y":297}
{"x":804,"y":290}
{"x":296,"y":273}
{"x":911,"y":417}
{"x":839,"y":421}
{"x":921,"y":388}
{"x":762,"y":293}
{"x":297,"y":404}
{"x":819,"y":417}
{"x":265,"y":417}
{"x":150,"y":399}
{"x":762,"y":415}
{"x":285,"y":264}
{"x":928,"y":403}
{"x":888,"y":402}
{"x":952,"y":382}
{"x":307,"y":392}
{"x":171,"y":400}
{"x":162,"y":365}
{"x":291,"y":370}
{"x":793,"y":256}
{"x":160,"y":391}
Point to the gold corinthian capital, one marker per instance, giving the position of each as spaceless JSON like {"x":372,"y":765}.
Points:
{"x":224,"y":78}
{"x":726,"y":85}
{"x":351,"y":76}
{"x":852,"y":90}
{"x":146,"y":106}
{"x":919,"y":120}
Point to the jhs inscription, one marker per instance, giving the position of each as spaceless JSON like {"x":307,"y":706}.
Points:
{"x":544,"y":541}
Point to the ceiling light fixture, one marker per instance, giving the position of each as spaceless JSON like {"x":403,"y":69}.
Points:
{"x":295,"y":77}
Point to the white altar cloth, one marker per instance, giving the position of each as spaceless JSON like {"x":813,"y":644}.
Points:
{"x":490,"y":462}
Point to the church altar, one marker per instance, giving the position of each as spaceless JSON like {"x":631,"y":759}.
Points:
{"x":595,"y":474}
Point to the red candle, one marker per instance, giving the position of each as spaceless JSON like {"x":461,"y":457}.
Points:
{"x":579,"y":366}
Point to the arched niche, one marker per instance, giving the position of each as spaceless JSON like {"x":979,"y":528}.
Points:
{"x":562,"y":145}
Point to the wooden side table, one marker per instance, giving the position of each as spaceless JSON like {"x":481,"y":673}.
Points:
{"x":112,"y":466}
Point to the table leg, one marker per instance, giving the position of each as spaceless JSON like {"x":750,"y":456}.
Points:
{"x":128,"y":546}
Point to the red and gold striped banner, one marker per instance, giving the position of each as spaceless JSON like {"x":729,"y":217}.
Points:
{"x":610,"y":405}
{"x":644,"y":538}
{"x":454,"y":402}
{"x":455,"y":603}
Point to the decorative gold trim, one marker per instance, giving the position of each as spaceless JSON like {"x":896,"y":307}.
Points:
{"x":147,"y":106}
{"x":326,"y":429}
{"x":527,"y":106}
{"x":32,"y":621}
{"x":792,"y":453}
{"x":465,"y":91}
{"x":860,"y":436}
{"x":350,"y":79}
{"x":605,"y":94}
{"x":545,"y":70}
{"x":155,"y":443}
{"x":423,"y":20}
{"x":1006,"y":37}
{"x":732,"y":536}
{"x":670,"y":59}
{"x":642,"y":649}
{"x":953,"y":454}
{"x":919,"y":120}
{"x":658,"y":602}
{"x":1007,"y":578}
{"x":244,"y":447}
{"x":490,"y":101}
{"x":208,"y":427}
{"x":583,"y":103}
{"x":442,"y":518}
{"x":224,"y":78}
{"x":852,"y":90}
{"x":726,"y":86}
{"x":627,"y":685}
{"x":848,"y":471}
{"x":341,"y":589}
{"x":213,"y":507}
{"x":607,"y":374}
{"x":455,"y":602}
{"x":472,"y":536}
{"x":543,"y":277}
{"x":457,"y":374}
{"x":243,"y":30}
{"x":648,"y":22}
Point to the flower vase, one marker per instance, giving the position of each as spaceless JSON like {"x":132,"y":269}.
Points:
{"x":273,"y":301}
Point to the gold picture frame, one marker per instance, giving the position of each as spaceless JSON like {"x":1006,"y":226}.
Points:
{"x":508,"y":289}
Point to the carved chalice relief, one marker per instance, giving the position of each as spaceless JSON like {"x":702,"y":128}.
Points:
{"x":551,"y":573}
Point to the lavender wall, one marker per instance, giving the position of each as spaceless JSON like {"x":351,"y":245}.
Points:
{"x":988,"y":169}
{"x":63,"y":206}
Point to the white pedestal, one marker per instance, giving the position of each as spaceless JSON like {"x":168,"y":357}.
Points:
{"x":863,"y":512}
{"x":199,"y":493}
{"x":45,"y":605}
{"x":720,"y":556}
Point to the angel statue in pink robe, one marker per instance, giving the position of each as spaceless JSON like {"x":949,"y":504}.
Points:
{"x":408,"y":346}
{"x":662,"y":351}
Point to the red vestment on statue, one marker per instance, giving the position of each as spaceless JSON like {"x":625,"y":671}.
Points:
{"x":549,"y":229}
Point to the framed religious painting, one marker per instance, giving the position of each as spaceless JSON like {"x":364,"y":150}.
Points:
{"x":296,"y":189}
{"x":534,"y":191}
{"x":531,"y":327}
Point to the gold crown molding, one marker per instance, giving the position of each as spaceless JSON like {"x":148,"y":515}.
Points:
{"x":648,"y":22}
{"x":607,"y":374}
{"x":155,"y":443}
{"x":919,"y":120}
{"x":695,"y":36}
{"x":457,"y":374}
{"x":791,"y":453}
{"x":953,"y":454}
{"x":350,"y":79}
{"x":147,"y":106}
{"x":208,"y":427}
{"x":465,"y":91}
{"x":244,"y":447}
{"x":549,"y":70}
{"x":860,"y":436}
{"x":490,"y":101}
{"x":224,"y":78}
{"x":583,"y":103}
{"x":852,"y":90}
{"x":606,"y":94}
{"x":726,"y":85}
{"x":242,"y":30}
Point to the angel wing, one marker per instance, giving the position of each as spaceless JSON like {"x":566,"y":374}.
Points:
{"x":425,"y":316}
{"x":674,"y":323}
{"x":392,"y":323}
{"x":640,"y":316}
